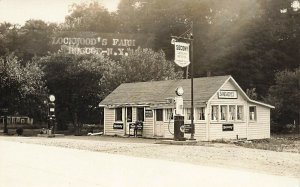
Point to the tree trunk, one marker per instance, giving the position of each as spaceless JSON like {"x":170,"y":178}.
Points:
{"x":5,"y":124}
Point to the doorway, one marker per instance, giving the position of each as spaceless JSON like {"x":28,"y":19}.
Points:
{"x":128,"y":120}
{"x":159,"y":123}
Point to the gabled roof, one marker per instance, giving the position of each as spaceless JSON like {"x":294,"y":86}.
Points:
{"x":246,"y":96}
{"x":159,"y":91}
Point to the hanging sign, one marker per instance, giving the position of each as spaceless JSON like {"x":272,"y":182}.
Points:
{"x":182,"y":55}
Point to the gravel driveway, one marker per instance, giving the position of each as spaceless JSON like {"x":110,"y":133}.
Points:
{"x":207,"y":154}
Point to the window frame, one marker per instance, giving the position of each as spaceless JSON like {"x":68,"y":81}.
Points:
{"x":116,"y":114}
{"x":167,"y":113}
{"x":198,"y":110}
{"x":127,"y":119}
{"x":212,"y":113}
{"x":162,"y":114}
{"x":242,"y":112}
{"x":255,"y":113}
{"x":137,"y":113}
{"x":186,"y":114}
{"x":230,"y":113}
{"x":225,"y":112}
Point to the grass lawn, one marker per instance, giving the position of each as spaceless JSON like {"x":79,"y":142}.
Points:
{"x":276,"y":143}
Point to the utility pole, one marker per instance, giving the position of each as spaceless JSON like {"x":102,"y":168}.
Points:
{"x":5,"y":110}
{"x":5,"y":130}
{"x":192,"y":82}
{"x":190,"y":38}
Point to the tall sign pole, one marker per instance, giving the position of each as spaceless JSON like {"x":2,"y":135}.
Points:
{"x":192,"y":82}
{"x":181,"y":52}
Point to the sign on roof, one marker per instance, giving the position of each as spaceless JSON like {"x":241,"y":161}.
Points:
{"x":182,"y":55}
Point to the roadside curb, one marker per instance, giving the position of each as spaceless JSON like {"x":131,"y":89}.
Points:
{"x":50,"y":135}
{"x":173,"y":142}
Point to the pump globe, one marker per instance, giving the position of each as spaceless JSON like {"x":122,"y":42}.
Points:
{"x":179,"y":91}
{"x":52,"y":98}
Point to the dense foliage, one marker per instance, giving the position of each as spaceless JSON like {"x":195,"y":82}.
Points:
{"x":22,"y":89}
{"x":286,"y":97}
{"x":75,"y":81}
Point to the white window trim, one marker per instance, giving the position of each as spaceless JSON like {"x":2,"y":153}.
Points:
{"x":166,"y":119}
{"x":218,"y":114}
{"x":243,"y":113}
{"x":226,"y":114}
{"x":196,"y":114}
{"x":118,"y":121}
{"x":255,"y":113}
{"x":155,"y":116}
{"x":235,"y":113}
{"x":185,"y":115}
{"x":209,"y":116}
{"x":144,"y":112}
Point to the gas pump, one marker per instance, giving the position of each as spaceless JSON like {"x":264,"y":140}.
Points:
{"x":179,"y":117}
{"x":51,"y":116}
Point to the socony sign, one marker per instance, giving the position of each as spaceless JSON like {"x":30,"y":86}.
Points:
{"x":182,"y":54}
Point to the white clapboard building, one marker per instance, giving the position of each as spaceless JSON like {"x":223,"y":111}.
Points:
{"x":222,"y":110}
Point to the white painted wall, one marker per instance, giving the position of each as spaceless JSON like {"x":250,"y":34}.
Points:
{"x":260,"y":128}
{"x":148,"y":127}
{"x":244,"y":129}
{"x":110,"y":120}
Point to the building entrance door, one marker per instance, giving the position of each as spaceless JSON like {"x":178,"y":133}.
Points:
{"x":128,"y":119}
{"x":159,"y":123}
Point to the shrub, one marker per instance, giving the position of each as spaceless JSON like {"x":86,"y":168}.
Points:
{"x":19,"y":131}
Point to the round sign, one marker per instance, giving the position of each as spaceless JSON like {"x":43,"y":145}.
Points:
{"x":182,"y":128}
{"x":52,"y":98}
{"x":179,"y":91}
{"x":173,"y":41}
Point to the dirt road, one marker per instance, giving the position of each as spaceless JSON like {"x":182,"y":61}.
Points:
{"x":30,"y":165}
{"x":208,"y":154}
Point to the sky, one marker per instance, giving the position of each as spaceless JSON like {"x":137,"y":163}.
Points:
{"x":19,"y":11}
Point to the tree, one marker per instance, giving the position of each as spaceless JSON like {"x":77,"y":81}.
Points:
{"x":35,"y":37}
{"x":251,"y":93}
{"x":91,"y":17}
{"x":285,"y":96}
{"x":163,"y":19}
{"x":21,"y":89}
{"x":9,"y":39}
{"x":75,"y":82}
{"x":144,"y":65}
{"x":32,"y":39}
{"x":4,"y":29}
